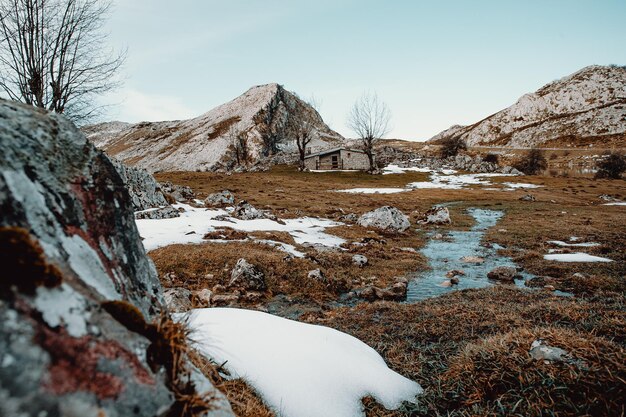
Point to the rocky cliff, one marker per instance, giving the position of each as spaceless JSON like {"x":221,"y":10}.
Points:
{"x":242,"y":132}
{"x":587,"y":107}
{"x":81,"y":316}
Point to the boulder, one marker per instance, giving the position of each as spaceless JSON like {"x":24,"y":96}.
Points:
{"x":78,"y":293}
{"x":246,"y":211}
{"x":454,"y":273}
{"x":221,"y":199}
{"x":436,"y":215}
{"x":527,"y":197}
{"x":247,"y":276}
{"x":145,"y":192}
{"x":503,"y":274}
{"x":360,"y":260}
{"x":177,"y":192}
{"x":178,"y":299}
{"x":204,"y":296}
{"x":385,"y":218}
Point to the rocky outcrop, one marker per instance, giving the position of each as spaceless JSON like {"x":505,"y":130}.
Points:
{"x":78,"y":296}
{"x":246,"y":211}
{"x":586,"y":107}
{"x":238,"y":135}
{"x":385,"y":218}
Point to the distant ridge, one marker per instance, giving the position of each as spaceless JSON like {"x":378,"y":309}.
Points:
{"x":587,"y":107}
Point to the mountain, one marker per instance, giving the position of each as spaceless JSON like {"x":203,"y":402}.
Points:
{"x":587,"y":107}
{"x":259,"y":117}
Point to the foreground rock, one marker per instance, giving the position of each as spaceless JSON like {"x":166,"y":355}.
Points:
{"x":246,"y":211}
{"x":79,"y":295}
{"x":385,"y":218}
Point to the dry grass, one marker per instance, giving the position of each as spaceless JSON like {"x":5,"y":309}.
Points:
{"x":469,"y":350}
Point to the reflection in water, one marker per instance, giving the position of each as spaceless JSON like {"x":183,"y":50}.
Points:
{"x":445,"y":255}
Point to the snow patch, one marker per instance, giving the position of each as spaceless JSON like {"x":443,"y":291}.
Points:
{"x":299,"y":369}
{"x":580,"y":245}
{"x":575,"y":257}
{"x":194,"y":223}
{"x":373,"y":190}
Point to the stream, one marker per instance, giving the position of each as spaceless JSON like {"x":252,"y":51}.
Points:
{"x":445,"y":254}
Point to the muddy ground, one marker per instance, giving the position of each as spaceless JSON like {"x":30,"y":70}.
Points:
{"x":469,"y":349}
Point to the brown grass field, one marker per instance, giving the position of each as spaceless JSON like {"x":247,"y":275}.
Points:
{"x":468,"y":349}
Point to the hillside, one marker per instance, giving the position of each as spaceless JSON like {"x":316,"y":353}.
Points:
{"x":207,"y":142}
{"x":587,"y":107}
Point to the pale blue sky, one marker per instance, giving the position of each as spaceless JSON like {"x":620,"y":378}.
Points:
{"x":435,"y":63}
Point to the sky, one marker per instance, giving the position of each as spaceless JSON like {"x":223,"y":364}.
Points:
{"x":434,"y":63}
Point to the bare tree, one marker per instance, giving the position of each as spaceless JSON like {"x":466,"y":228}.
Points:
{"x":369,"y":119}
{"x":303,"y":131}
{"x":53,"y":54}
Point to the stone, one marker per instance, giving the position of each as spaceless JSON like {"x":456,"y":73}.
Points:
{"x":385,"y":218}
{"x":220,"y":300}
{"x":527,"y":197}
{"x":167,"y":212}
{"x":436,"y":215}
{"x":454,"y":280}
{"x":472,"y":260}
{"x":454,"y":272}
{"x":247,"y":276}
{"x":246,"y":211}
{"x":540,"y":350}
{"x":503,"y":274}
{"x":221,"y":199}
{"x":64,"y":205}
{"x":360,"y":260}
{"x":178,"y":299}
{"x":204,"y":296}
{"x":395,"y":292}
{"x":317,"y":275}
{"x":349,"y":218}
{"x":145,"y":192}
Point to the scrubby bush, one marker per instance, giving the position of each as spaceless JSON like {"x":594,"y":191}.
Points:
{"x":452,"y":146}
{"x":533,"y":162}
{"x":612,"y":166}
{"x":492,"y":158}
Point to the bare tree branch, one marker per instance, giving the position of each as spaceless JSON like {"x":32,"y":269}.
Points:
{"x":370,"y":119}
{"x":53,"y":55}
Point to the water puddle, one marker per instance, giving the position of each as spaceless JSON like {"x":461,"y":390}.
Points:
{"x":445,"y":255}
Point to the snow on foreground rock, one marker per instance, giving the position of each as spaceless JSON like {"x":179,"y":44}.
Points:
{"x":299,"y":369}
{"x":194,"y":223}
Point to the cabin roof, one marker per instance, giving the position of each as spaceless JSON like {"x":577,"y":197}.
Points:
{"x":333,"y":150}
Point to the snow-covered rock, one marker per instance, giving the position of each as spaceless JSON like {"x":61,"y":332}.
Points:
{"x":246,"y":211}
{"x":385,"y":218}
{"x":589,"y":103}
{"x":77,"y":284}
{"x":206,"y":142}
{"x":299,"y":369}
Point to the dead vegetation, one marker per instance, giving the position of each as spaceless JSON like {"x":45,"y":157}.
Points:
{"x":470,"y":351}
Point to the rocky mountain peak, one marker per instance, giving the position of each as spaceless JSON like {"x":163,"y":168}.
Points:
{"x":588,"y":106}
{"x":253,"y":124}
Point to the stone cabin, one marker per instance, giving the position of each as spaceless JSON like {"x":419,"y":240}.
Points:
{"x":337,"y":159}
